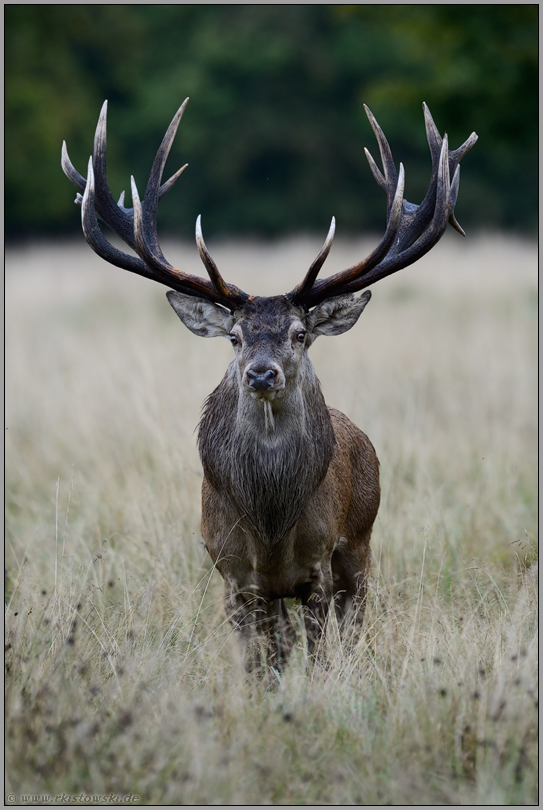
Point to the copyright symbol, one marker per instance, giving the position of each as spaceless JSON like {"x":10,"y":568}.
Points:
{"x":12,"y":798}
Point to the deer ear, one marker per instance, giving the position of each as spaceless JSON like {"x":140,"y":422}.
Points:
{"x":202,"y":317}
{"x":337,"y":315}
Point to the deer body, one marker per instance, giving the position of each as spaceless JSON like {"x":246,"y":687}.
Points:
{"x":289,"y":496}
{"x":291,"y":487}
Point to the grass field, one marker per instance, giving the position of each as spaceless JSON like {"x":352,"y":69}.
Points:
{"x":123,"y":676}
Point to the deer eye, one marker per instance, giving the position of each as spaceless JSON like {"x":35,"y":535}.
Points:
{"x":300,"y":337}
{"x":234,"y":340}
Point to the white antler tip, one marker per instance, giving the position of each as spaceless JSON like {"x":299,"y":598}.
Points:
{"x":135,"y":193}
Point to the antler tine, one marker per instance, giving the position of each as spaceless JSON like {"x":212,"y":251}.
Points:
{"x":457,"y":154}
{"x":155,"y":177}
{"x":225,"y":289}
{"x":454,"y":195}
{"x":70,"y":171}
{"x":432,"y":134}
{"x":302,"y":289}
{"x":375,"y":170}
{"x":455,"y":157}
{"x":165,"y":187}
{"x":390,"y":180}
{"x":119,"y":219}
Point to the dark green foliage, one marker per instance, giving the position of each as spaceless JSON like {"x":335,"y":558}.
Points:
{"x":275,"y":129}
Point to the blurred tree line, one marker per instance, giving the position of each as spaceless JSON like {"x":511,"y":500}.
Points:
{"x":275,"y":129}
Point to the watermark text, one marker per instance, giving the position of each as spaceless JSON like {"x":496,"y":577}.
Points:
{"x":72,"y":798}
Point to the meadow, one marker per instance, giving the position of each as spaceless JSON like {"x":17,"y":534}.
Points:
{"x":123,"y":675}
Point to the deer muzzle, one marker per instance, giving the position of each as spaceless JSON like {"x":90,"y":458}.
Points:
{"x":264,"y":382}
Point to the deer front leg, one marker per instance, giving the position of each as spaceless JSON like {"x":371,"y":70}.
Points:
{"x":264,"y":627}
{"x":246,"y":612}
{"x":280,"y":635}
{"x":316,"y":597}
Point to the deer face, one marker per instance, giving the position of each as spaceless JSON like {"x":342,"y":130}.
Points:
{"x":270,"y":336}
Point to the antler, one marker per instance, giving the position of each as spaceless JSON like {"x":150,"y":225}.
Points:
{"x":412,"y":230}
{"x":137,"y":226}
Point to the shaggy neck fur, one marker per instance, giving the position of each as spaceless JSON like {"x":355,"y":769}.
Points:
{"x":266,"y":468}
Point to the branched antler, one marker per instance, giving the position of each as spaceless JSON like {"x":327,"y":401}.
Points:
{"x":412,"y":230}
{"x":137,"y":226}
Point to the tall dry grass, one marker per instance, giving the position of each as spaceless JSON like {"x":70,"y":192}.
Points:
{"x":123,"y":675}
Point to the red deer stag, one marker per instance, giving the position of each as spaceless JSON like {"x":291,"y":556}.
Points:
{"x":291,"y":487}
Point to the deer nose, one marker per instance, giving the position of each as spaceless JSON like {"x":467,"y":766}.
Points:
{"x":261,"y":380}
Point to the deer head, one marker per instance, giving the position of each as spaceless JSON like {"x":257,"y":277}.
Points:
{"x":270,"y":336}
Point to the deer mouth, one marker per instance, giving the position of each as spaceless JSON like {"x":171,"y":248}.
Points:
{"x":268,"y":395}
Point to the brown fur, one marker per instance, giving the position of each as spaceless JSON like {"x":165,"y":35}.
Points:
{"x":288,"y":515}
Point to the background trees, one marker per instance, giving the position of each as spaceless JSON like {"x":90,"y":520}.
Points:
{"x":275,"y":129}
